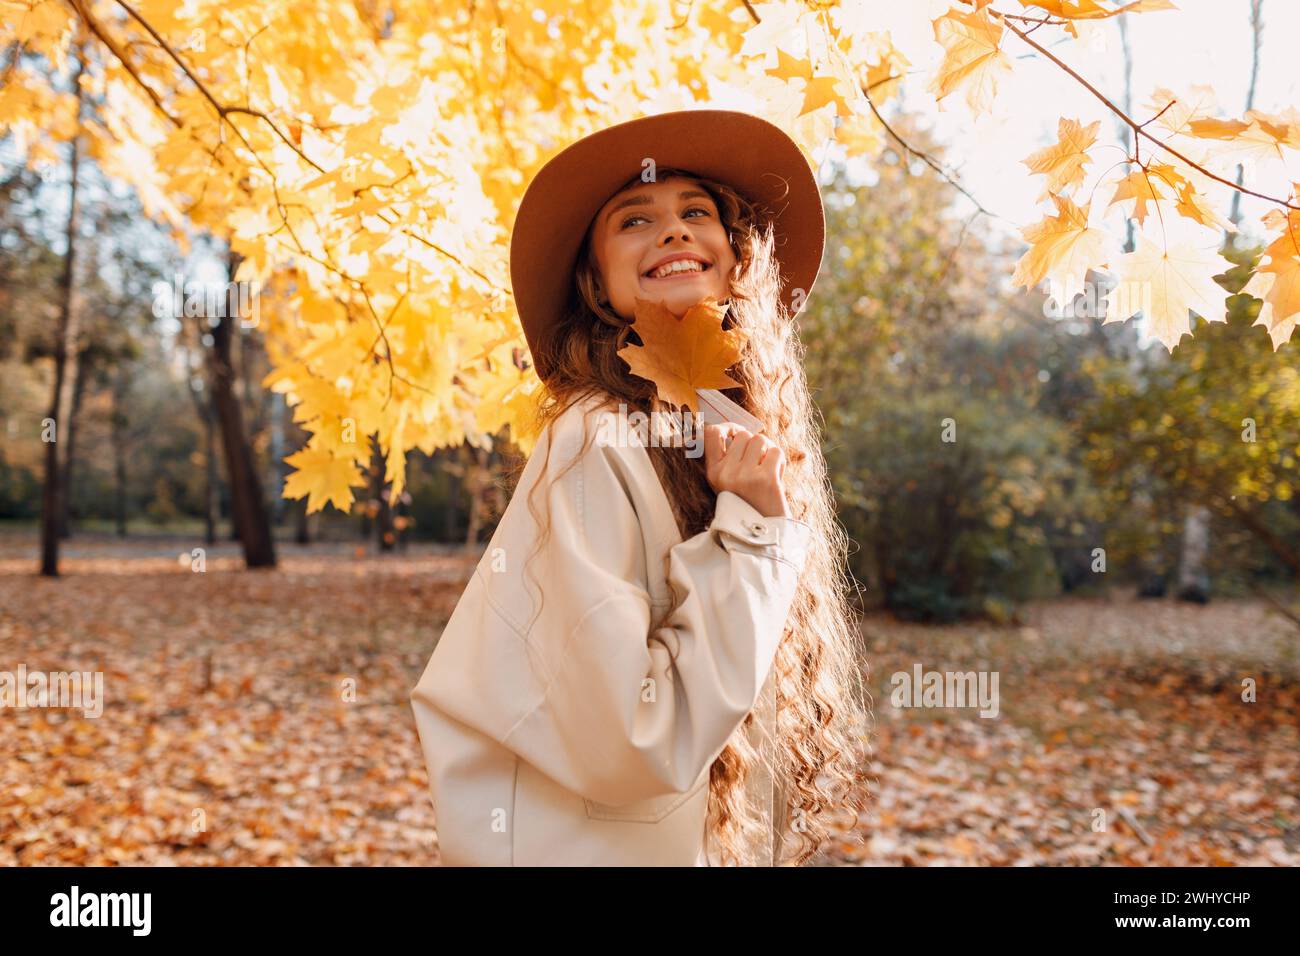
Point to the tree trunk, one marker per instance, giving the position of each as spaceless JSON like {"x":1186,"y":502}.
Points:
{"x":475,"y":482}
{"x":65,"y":360}
{"x":208,"y":417}
{"x":117,"y":430}
{"x":451,"y":514}
{"x":70,"y":433}
{"x":384,"y":518}
{"x":302,"y":533}
{"x":212,"y":480}
{"x":499,"y":498}
{"x":279,"y":408}
{"x":1152,"y":581}
{"x":1193,"y":578}
{"x":247,"y":504}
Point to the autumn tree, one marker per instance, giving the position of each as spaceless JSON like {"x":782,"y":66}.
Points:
{"x":366,"y":160}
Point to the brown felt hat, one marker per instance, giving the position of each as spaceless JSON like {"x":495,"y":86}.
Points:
{"x":756,"y":158}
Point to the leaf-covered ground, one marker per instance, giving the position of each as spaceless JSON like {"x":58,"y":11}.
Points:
{"x":1121,"y":739}
{"x":226,"y":740}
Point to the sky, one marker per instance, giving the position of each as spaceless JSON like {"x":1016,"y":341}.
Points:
{"x":1203,"y":42}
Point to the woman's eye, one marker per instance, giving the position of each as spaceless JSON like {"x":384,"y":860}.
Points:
{"x":699,"y":209}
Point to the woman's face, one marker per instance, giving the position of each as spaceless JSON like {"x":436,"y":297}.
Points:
{"x":648,"y":224}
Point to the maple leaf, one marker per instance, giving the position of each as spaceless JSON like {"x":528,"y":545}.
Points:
{"x":681,"y":355}
{"x":1164,"y":284}
{"x":1177,"y":113}
{"x":790,"y":68}
{"x":972,"y":58}
{"x":860,"y":136}
{"x":1277,"y":278}
{"x":1089,"y":10}
{"x":1192,"y":186}
{"x":1286,"y":244}
{"x":1064,"y":162}
{"x":1194,"y":206}
{"x":776,"y":23}
{"x":1261,"y":139}
{"x":1062,"y":249}
{"x":1282,"y":129}
{"x":817,"y":90}
{"x":323,"y":477}
{"x":1272,"y":314}
{"x":1142,"y":188}
{"x":821,"y":90}
{"x":885,"y":78}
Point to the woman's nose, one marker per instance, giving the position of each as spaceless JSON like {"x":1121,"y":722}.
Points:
{"x":674,"y":228}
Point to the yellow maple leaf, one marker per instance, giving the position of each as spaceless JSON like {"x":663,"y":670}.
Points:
{"x":1255,"y":142}
{"x":972,"y":58}
{"x":1175,"y":113}
{"x":681,"y":355}
{"x":817,"y":90}
{"x":789,"y":67}
{"x":884,"y":79}
{"x":1285,"y":126}
{"x":1192,"y":188}
{"x":1164,"y":284}
{"x":323,"y":477}
{"x":1286,"y":245}
{"x":1280,"y":326}
{"x":1142,"y":188}
{"x":1195,"y":207}
{"x":1277,"y":278}
{"x":1269,"y":128}
{"x":1089,"y":10}
{"x":775,"y":23}
{"x":1061,"y":249}
{"x":860,"y":136}
{"x":821,"y":90}
{"x":1068,"y":9}
{"x":1063,"y":163}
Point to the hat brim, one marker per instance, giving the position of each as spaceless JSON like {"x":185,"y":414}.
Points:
{"x":755,"y":157}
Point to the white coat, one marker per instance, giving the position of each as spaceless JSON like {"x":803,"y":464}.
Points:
{"x":559,"y":732}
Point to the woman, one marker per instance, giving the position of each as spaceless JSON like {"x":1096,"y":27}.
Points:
{"x":654,"y":662}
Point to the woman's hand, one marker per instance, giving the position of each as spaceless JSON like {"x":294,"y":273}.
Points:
{"x":746,"y":464}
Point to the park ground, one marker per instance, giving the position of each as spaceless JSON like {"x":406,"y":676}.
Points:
{"x":1122,"y":736}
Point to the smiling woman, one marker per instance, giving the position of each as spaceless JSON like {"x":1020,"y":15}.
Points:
{"x":608,"y":688}
{"x":662,"y":241}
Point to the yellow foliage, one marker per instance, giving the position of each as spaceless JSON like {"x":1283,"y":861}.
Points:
{"x":370,"y":162}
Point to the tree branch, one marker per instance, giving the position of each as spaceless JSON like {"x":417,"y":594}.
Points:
{"x":924,"y":157}
{"x":222,"y":110}
{"x":93,"y":25}
{"x":1133,"y":124}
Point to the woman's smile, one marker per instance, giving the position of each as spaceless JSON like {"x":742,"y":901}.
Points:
{"x":675,"y":273}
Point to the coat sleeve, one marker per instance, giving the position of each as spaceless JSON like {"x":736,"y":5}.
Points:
{"x":565,"y":665}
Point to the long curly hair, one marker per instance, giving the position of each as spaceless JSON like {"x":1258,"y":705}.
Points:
{"x":821,"y":751}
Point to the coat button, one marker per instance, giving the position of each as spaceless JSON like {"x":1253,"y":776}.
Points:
{"x":757,"y":528}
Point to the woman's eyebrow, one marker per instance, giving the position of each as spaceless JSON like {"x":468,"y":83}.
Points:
{"x":641,"y":199}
